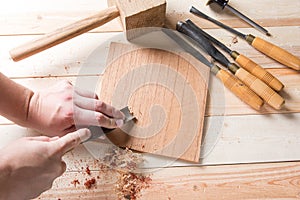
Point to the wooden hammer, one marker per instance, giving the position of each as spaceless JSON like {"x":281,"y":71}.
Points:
{"x":134,"y":14}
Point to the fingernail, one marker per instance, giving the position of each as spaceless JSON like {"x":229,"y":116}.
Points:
{"x":120,"y":122}
{"x":84,"y":134}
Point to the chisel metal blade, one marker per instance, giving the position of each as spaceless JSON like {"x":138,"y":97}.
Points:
{"x":98,"y":131}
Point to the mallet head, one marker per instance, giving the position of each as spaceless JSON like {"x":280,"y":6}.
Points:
{"x":136,"y":14}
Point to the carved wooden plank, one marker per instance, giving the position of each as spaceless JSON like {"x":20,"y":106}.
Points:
{"x":167,"y":94}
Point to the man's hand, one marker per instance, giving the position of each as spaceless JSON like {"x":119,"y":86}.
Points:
{"x":29,"y":165}
{"x":58,"y":109}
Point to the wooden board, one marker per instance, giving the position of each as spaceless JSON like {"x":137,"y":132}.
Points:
{"x":166,"y":93}
{"x":256,"y":181}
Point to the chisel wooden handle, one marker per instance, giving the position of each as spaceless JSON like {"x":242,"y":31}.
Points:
{"x":260,"y":88}
{"x":239,"y":89}
{"x":257,"y":71}
{"x":64,"y":34}
{"x":274,"y":52}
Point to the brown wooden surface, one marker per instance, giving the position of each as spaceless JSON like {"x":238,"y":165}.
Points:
{"x":157,"y":77}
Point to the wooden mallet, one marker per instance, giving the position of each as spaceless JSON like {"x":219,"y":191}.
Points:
{"x":134,"y":14}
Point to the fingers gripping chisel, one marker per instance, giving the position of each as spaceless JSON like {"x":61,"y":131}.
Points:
{"x":244,"y":61}
{"x":98,"y":131}
{"x":231,"y":82}
{"x":267,"y":48}
{"x":259,"y":87}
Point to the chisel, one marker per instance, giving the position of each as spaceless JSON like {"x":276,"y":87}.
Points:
{"x":224,"y":3}
{"x":98,"y":131}
{"x":243,"y":61}
{"x":259,"y":87}
{"x":269,"y":49}
{"x":242,"y":91}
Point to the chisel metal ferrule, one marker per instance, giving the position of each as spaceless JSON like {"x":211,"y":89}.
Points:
{"x":215,"y":69}
{"x":250,"y":38}
{"x":233,"y":67}
{"x":234,"y":54}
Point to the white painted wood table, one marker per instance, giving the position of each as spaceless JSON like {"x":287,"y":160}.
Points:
{"x":264,"y":146}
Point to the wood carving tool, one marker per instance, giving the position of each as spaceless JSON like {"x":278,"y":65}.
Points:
{"x":134,"y":14}
{"x":244,"y":61}
{"x":267,"y":48}
{"x":259,"y":87}
{"x":224,"y":3}
{"x":98,"y":131}
{"x":242,"y":91}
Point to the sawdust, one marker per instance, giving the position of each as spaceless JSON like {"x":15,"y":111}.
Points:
{"x":123,"y":160}
{"x":121,"y":163}
{"x":90,"y":183}
{"x":235,"y":40}
{"x":130,"y":185}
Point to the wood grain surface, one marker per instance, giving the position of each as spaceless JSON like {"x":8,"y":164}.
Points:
{"x":166,"y":93}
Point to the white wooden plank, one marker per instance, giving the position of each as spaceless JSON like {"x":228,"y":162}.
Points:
{"x":64,"y":59}
{"x":238,"y":139}
{"x":260,"y":181}
{"x":44,"y":16}
{"x":68,"y":58}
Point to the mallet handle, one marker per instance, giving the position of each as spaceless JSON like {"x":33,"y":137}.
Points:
{"x":63,"y":34}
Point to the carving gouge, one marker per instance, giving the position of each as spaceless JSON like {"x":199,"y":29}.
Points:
{"x":259,"y":87}
{"x":261,"y":45}
{"x":224,"y":3}
{"x":244,"y":61}
{"x":231,"y":82}
{"x":98,"y":131}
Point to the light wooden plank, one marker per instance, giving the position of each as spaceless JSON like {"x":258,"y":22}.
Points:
{"x":41,"y":17}
{"x":231,"y":139}
{"x":220,"y":101}
{"x":260,"y":181}
{"x":71,"y":57}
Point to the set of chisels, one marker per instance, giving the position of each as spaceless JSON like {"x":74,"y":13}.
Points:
{"x":249,"y":81}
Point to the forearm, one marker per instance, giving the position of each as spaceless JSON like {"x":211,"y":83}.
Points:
{"x":15,"y":99}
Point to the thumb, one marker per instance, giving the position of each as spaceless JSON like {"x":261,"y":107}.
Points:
{"x":71,"y":140}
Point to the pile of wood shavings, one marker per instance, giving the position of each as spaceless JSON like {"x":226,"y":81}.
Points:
{"x":130,"y":185}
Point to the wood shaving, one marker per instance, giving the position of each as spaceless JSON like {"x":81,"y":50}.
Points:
{"x":87,"y":170}
{"x":130,"y":185}
{"x":75,"y":182}
{"x":235,"y":40}
{"x":123,"y":159}
{"x":90,"y":183}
